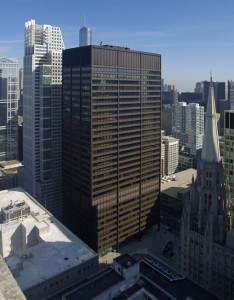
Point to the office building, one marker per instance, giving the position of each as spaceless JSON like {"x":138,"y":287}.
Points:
{"x":171,"y":155}
{"x":203,"y":88}
{"x":85,"y":36}
{"x":188,"y":127}
{"x":220,"y":92}
{"x":42,"y":254}
{"x":191,"y":98}
{"x":207,"y":234}
{"x":42,"y":106}
{"x":111,"y":143}
{"x":166,"y":119}
{"x":9,"y":96}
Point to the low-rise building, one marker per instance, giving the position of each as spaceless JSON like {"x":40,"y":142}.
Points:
{"x":41,"y":253}
{"x":135,"y":277}
{"x":174,"y":190}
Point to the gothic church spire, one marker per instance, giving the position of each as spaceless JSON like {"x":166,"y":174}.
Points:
{"x":210,"y":150}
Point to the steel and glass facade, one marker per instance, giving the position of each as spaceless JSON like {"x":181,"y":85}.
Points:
{"x":111,"y":143}
{"x":85,"y":36}
{"x":9,"y":96}
{"x":41,"y":175}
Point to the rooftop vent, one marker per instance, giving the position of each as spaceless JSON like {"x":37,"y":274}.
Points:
{"x":15,"y":211}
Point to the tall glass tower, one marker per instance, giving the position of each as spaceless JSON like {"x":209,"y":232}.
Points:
{"x":9,"y":78}
{"x":42,"y":108}
{"x":85,"y":36}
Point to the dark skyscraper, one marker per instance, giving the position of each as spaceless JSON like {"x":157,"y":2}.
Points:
{"x":111,"y":143}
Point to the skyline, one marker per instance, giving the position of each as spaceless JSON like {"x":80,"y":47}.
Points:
{"x":193,"y":38}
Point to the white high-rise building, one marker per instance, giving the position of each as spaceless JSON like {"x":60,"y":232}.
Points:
{"x":188,"y":126}
{"x":9,"y":96}
{"x":85,"y":36}
{"x":41,"y":173}
{"x":171,"y":154}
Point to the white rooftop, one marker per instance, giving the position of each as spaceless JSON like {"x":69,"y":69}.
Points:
{"x":179,"y":182}
{"x":37,"y":246}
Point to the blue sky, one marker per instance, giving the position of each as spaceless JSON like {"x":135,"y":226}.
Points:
{"x":194,"y":37}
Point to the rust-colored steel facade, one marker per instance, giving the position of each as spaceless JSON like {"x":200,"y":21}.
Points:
{"x":111,"y":143}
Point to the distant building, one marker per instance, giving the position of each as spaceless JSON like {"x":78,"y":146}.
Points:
{"x":220,"y":92}
{"x":169,"y":95}
{"x":9,"y":174}
{"x":203,"y":88}
{"x":9,"y":96}
{"x":223,"y":105}
{"x":191,"y":98}
{"x":43,"y":255}
{"x":42,"y":123}
{"x":85,"y":36}
{"x":111,"y":143}
{"x":207,"y":224}
{"x":188,"y":127}
{"x":166,"y":119}
{"x":171,"y":155}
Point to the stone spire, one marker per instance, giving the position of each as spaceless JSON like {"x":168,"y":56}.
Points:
{"x":210,"y":150}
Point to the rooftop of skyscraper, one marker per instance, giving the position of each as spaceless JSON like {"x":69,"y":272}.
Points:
{"x":35,"y":245}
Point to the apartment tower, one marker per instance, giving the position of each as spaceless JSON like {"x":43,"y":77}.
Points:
{"x":111,"y":143}
{"x":9,"y":96}
{"x":171,"y":154}
{"x":42,"y":108}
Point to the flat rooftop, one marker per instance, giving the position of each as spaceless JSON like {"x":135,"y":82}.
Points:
{"x":182,"y":180}
{"x":37,"y":246}
{"x":9,"y":288}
